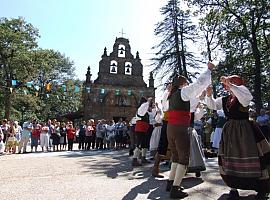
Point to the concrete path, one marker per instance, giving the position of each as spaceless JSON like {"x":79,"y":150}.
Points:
{"x":98,"y":175}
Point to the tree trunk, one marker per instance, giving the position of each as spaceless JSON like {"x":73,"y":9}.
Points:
{"x":183,"y":57}
{"x":179,"y":65}
{"x":7,"y":99}
{"x":257,"y":82}
{"x":176,"y":38}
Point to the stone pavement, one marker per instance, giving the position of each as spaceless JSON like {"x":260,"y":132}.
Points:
{"x":98,"y":175}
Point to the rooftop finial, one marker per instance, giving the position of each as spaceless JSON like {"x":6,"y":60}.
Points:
{"x":122,"y":33}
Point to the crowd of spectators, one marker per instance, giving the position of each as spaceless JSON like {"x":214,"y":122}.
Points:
{"x":60,"y":136}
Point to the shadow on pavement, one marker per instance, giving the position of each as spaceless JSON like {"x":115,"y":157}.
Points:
{"x":156,"y":188}
{"x":249,"y":197}
{"x":111,"y":163}
{"x":190,"y":182}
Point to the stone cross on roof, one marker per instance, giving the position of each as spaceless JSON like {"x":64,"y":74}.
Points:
{"x":122,"y":32}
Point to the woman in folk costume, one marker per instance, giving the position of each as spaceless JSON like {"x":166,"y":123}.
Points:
{"x":141,"y":129}
{"x":243,"y":151}
{"x":218,"y":130}
{"x":196,"y":161}
{"x":154,"y":141}
{"x":178,"y":124}
{"x":162,"y":150}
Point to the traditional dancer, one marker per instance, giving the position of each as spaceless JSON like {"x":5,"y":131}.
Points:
{"x":218,"y":130}
{"x":154,"y":140}
{"x":196,"y":161}
{"x":141,"y":130}
{"x":162,"y":150}
{"x":178,"y":124}
{"x":243,"y":151}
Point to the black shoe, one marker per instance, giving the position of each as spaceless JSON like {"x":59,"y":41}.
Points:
{"x":262,"y":196}
{"x":169,"y":186}
{"x":233,"y":195}
{"x":177,"y":193}
{"x":198,"y":174}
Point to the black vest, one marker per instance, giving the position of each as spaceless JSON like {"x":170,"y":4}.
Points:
{"x":176,"y":102}
{"x":235,"y":111}
{"x":144,"y":118}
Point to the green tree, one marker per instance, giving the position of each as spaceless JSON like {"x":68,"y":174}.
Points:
{"x":17,"y":39}
{"x":44,"y":69}
{"x":244,"y":38}
{"x":176,"y":30}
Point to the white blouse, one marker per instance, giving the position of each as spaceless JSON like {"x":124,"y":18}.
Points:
{"x":241,"y":92}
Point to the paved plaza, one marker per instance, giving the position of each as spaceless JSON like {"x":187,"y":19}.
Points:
{"x":98,"y":175}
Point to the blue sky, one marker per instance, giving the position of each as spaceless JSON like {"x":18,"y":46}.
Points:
{"x":82,"y":28}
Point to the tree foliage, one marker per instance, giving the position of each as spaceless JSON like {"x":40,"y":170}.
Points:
{"x":22,"y":60}
{"x":243,"y":36}
{"x":173,"y":55}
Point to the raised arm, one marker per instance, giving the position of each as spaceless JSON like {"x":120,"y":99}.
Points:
{"x":195,"y":89}
{"x":143,"y":109}
{"x":214,"y":104}
{"x":242,"y":93}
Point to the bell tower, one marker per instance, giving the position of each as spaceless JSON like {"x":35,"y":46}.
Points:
{"x":119,"y":86}
{"x":120,"y":67}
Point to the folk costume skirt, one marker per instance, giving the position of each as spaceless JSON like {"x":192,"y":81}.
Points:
{"x":244,"y":156}
{"x":196,"y":161}
{"x":155,"y":137}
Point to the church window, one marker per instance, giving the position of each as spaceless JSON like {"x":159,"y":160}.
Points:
{"x":129,"y":92}
{"x":117,"y":92}
{"x":128,"y":68}
{"x":121,"y":51}
{"x":113,"y":67}
{"x":102,"y":91}
{"x":88,"y":89}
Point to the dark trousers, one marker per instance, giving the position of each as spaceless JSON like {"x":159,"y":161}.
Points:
{"x":81,"y":140}
{"x":89,"y":142}
{"x":99,"y":143}
{"x":142,"y":140}
{"x":149,"y":134}
{"x":70,"y":144}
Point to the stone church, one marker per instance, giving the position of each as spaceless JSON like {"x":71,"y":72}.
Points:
{"x":119,"y":86}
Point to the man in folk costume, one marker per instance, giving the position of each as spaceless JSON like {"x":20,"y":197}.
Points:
{"x":141,"y":129}
{"x":244,"y":152}
{"x":178,"y":124}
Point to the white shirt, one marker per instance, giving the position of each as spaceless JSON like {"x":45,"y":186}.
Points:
{"x":241,"y":92}
{"x":194,"y":89}
{"x":164,"y":101}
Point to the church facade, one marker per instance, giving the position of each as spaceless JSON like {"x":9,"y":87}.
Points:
{"x":119,"y":86}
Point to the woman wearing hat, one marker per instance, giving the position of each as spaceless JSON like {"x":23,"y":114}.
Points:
{"x":243,"y":150}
